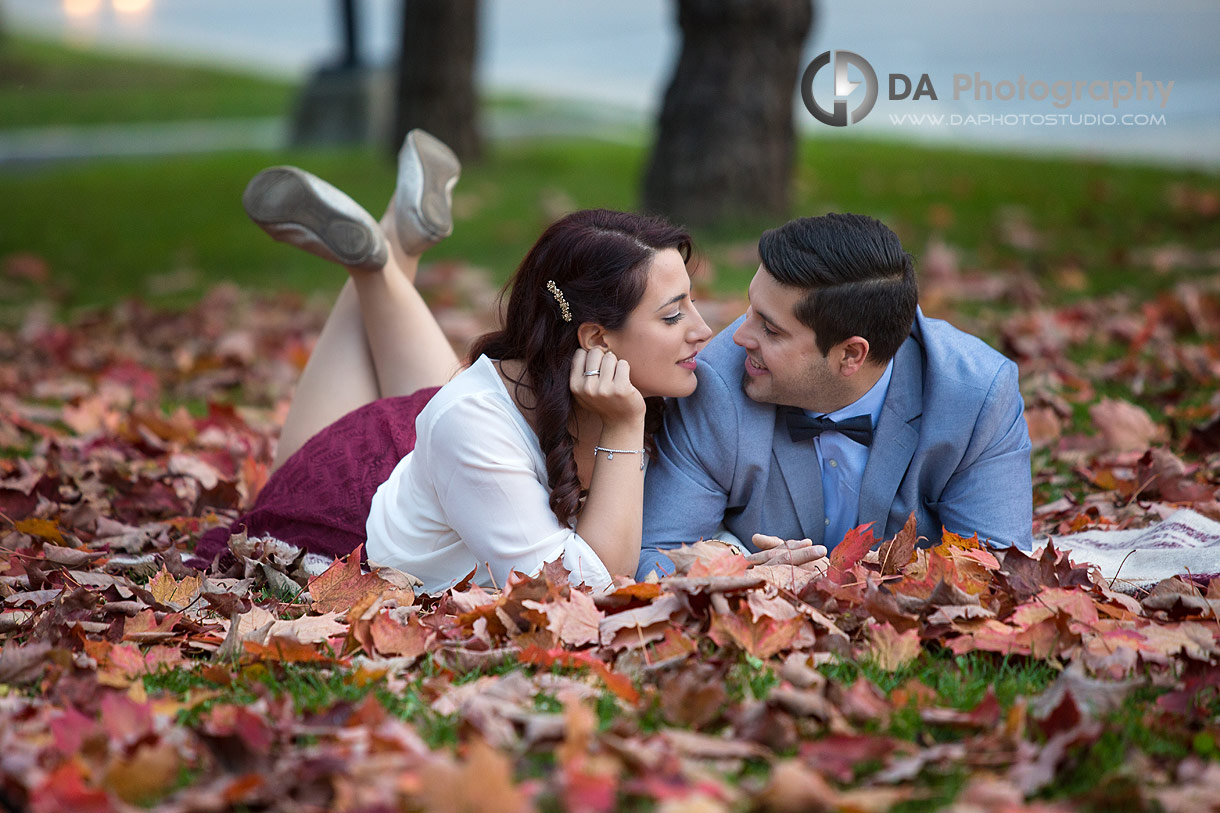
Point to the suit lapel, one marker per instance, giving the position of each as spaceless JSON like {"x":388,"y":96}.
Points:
{"x":896,"y":436}
{"x":798,"y":464}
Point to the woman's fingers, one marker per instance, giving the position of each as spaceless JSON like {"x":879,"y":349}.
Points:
{"x":576,"y":377}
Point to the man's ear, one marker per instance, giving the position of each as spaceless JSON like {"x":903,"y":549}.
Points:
{"x":852,"y":352}
{"x":591,"y":335}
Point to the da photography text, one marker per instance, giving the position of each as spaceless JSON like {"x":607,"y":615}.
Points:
{"x":1060,"y":94}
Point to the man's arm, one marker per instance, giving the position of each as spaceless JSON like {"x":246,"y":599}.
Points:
{"x":686,"y":490}
{"x":991,"y":492}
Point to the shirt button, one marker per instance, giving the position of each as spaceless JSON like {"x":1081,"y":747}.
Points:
{"x":834,"y":464}
{"x":827,"y":521}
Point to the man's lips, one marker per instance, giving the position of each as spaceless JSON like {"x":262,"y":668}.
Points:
{"x":754,"y":368}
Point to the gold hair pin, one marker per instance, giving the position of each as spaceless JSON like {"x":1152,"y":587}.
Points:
{"x":564,"y":310}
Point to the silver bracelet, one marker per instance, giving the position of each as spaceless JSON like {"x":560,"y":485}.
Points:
{"x":610,"y":453}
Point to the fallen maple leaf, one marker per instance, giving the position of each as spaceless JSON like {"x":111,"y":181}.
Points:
{"x":343,"y":584}
{"x":407,"y":640}
{"x":845,"y":555}
{"x":576,"y":621}
{"x":897,"y":553}
{"x":761,"y":639}
{"x":889,"y":649}
{"x":173,"y":592}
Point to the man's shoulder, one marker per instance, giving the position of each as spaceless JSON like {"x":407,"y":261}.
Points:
{"x":723,"y":355}
{"x":953,"y":355}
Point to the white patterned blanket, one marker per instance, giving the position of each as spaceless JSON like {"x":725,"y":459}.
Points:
{"x":1185,"y":543}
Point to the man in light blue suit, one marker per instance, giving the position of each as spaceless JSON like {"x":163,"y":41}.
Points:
{"x":835,"y":402}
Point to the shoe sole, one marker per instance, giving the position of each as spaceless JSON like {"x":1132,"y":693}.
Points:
{"x":441,"y":169}
{"x":283,"y":203}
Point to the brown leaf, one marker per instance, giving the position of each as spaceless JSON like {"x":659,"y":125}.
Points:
{"x":1123,"y":426}
{"x":576,"y":621}
{"x":891,"y":650}
{"x":897,"y":553}
{"x":483,"y":780}
{"x":23,"y":664}
{"x":343,"y":584}
{"x":145,"y":775}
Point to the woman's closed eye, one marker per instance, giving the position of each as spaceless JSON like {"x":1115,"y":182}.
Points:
{"x":674,"y":319}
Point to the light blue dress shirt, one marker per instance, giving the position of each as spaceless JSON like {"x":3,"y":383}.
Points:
{"x":842,"y":462}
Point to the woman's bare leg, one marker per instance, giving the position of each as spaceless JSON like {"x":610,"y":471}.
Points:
{"x":380,"y":340}
{"x":338,"y":377}
{"x":408,"y":347}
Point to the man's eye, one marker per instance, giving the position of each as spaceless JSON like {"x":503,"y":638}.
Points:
{"x":766,"y":330}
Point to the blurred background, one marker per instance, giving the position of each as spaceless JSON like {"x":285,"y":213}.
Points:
{"x":128,"y":129}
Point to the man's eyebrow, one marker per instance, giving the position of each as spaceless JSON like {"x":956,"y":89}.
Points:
{"x":671,"y":301}
{"x":766,"y":318}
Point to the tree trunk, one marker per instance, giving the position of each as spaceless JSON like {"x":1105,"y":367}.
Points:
{"x":436,"y":72}
{"x":725,"y":139}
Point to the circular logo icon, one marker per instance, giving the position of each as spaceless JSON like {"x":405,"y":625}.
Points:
{"x":843,"y":88}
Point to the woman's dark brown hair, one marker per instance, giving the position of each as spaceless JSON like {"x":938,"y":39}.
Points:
{"x":600,"y":261}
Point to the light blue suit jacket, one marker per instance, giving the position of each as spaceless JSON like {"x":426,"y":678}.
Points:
{"x":951,"y":445}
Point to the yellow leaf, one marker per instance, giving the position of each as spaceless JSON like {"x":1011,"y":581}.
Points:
{"x":44,"y":528}
{"x":168,"y":590}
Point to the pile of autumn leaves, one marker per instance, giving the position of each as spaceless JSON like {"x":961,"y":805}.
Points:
{"x":701,"y":692}
{"x":80,"y":731}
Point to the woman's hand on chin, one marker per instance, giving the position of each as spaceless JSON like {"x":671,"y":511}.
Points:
{"x":601,"y":383}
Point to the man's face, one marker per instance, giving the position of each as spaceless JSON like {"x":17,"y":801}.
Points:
{"x":783,"y":362}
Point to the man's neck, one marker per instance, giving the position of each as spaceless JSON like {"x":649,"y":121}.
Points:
{"x":854,"y":388}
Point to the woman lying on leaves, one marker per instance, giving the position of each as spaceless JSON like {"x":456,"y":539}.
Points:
{"x":533,"y":452}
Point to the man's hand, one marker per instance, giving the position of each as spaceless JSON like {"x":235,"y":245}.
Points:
{"x":800,"y":553}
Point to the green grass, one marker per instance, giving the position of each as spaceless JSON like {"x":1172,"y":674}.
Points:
{"x":167,"y":228}
{"x":44,"y":84}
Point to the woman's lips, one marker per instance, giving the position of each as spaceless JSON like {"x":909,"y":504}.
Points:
{"x":688,"y":363}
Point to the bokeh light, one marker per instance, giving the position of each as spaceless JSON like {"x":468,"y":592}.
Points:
{"x":81,"y":8}
{"x":131,"y":6}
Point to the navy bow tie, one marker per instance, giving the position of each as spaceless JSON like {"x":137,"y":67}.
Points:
{"x":802,"y":427}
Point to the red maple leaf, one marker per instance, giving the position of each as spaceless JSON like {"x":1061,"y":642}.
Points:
{"x":848,"y":553}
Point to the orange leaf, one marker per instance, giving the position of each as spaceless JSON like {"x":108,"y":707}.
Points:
{"x":845,"y":555}
{"x":392,"y":638}
{"x":343,"y":584}
{"x":285,"y":650}
{"x":616,"y":682}
{"x":762,"y":639}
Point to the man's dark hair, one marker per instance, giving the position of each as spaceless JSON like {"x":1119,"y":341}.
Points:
{"x":859,"y":280}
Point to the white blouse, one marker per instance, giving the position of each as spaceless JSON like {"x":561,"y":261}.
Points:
{"x":473,"y":495}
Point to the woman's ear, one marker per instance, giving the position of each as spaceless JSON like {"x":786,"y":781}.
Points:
{"x":591,"y":335}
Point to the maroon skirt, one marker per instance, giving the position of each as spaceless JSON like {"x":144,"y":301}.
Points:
{"x":319,"y":499}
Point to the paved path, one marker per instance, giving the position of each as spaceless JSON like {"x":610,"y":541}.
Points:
{"x":41,"y":145}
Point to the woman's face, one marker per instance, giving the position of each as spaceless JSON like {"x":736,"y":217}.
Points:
{"x":662,"y":335}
